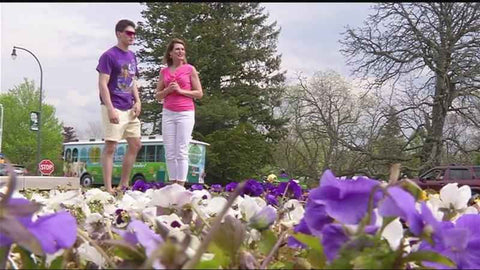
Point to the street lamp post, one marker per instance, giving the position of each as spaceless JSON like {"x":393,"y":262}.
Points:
{"x":14,"y":55}
{"x":1,"y":127}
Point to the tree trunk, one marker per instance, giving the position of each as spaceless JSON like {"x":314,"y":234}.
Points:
{"x":432,"y":149}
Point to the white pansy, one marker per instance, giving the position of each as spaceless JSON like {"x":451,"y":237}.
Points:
{"x":201,"y":196}
{"x":37,"y":197}
{"x":454,"y":197}
{"x":18,"y":195}
{"x":470,"y":210}
{"x":215,"y":206}
{"x":68,"y":198}
{"x":93,"y":221}
{"x":171,"y":196}
{"x":94,"y":218}
{"x":434,"y":203}
{"x":89,"y":253}
{"x":253,"y":235}
{"x":95,"y":194}
{"x":249,"y":207}
{"x":131,"y":203}
{"x":172,"y":221}
{"x":393,"y":233}
{"x":294,"y":213}
{"x":109,"y":210}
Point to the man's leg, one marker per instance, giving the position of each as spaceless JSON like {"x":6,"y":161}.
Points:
{"x":134,"y":145}
{"x":107,"y":162}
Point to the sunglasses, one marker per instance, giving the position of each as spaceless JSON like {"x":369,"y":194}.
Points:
{"x":130,"y":33}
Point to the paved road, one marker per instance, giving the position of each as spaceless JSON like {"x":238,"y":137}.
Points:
{"x":44,"y":182}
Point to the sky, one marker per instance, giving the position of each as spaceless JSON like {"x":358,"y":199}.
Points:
{"x":68,"y":39}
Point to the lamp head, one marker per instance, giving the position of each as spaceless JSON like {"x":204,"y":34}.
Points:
{"x":14,"y":53}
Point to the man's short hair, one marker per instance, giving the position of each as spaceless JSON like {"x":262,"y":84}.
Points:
{"x":122,"y":24}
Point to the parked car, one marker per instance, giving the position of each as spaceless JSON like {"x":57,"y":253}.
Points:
{"x":18,"y":169}
{"x":438,"y":177}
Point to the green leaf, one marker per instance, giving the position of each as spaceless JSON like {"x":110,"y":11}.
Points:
{"x":315,"y":256}
{"x":125,"y":250}
{"x":267,"y":241}
{"x":429,"y":256}
{"x":309,"y":240}
{"x":27,"y":261}
{"x":57,"y":263}
{"x":211,"y":264}
{"x":220,"y":259}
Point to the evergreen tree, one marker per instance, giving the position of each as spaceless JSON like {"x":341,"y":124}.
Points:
{"x":234,"y":49}
{"x":69,"y":134}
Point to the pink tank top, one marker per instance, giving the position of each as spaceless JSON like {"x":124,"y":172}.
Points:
{"x":174,"y":101}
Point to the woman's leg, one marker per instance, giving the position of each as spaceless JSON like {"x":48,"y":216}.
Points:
{"x":184,"y":135}
{"x":168,"y":134}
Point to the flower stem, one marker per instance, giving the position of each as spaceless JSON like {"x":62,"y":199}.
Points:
{"x":86,"y":238}
{"x":201,"y":217}
{"x":272,"y":251}
{"x":216,"y":225}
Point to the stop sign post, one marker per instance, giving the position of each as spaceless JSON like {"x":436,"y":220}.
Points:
{"x":46,"y":167}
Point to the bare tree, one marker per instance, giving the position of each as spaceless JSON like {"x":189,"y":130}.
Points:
{"x":94,"y":130}
{"x":437,"y":43}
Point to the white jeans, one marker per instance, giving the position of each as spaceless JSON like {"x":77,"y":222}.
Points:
{"x":177,"y":130}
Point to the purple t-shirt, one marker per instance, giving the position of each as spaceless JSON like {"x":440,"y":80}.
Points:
{"x":122,"y":68}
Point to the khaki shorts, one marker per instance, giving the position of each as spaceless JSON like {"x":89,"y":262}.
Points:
{"x":128,"y":125}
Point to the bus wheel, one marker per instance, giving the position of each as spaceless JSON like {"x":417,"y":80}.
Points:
{"x":137,"y":177}
{"x":86,"y":180}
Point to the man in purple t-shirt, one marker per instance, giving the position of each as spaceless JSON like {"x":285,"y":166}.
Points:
{"x":120,"y":102}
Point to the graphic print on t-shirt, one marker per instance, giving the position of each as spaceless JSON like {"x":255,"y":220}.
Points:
{"x":125,"y":78}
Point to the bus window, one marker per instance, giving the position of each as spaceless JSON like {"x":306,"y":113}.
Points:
{"x":94,"y":154}
{"x":150,"y":157}
{"x":160,"y":153}
{"x":68,"y":155}
{"x":141,"y":154}
{"x":75,"y":155}
{"x":83,"y":155}
{"x":119,"y":153}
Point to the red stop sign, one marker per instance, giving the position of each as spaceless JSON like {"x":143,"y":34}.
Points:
{"x":46,"y":167}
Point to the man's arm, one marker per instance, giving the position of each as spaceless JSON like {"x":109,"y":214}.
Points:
{"x":137,"y":106}
{"x":105,"y":95}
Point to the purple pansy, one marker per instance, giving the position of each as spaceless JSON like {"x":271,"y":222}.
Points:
{"x":301,"y":227}
{"x":400,"y":203}
{"x":252,"y":188}
{"x":316,"y":217}
{"x":231,"y":186}
{"x":460,"y":242}
{"x":345,"y":201}
{"x":271,"y":199}
{"x":269,"y":187}
{"x":334,"y":237}
{"x":216,"y":188}
{"x":263,"y":218}
{"x":53,"y":232}
{"x":139,"y":232}
{"x":196,"y":187}
{"x":291,"y":190}
{"x":140,"y":185}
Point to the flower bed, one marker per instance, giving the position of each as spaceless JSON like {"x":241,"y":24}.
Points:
{"x":361,"y":223}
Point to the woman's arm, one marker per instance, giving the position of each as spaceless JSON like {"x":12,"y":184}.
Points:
{"x":162,"y":91}
{"x":196,"y":91}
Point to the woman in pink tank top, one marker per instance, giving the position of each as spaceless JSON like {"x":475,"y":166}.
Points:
{"x":178,"y":84}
